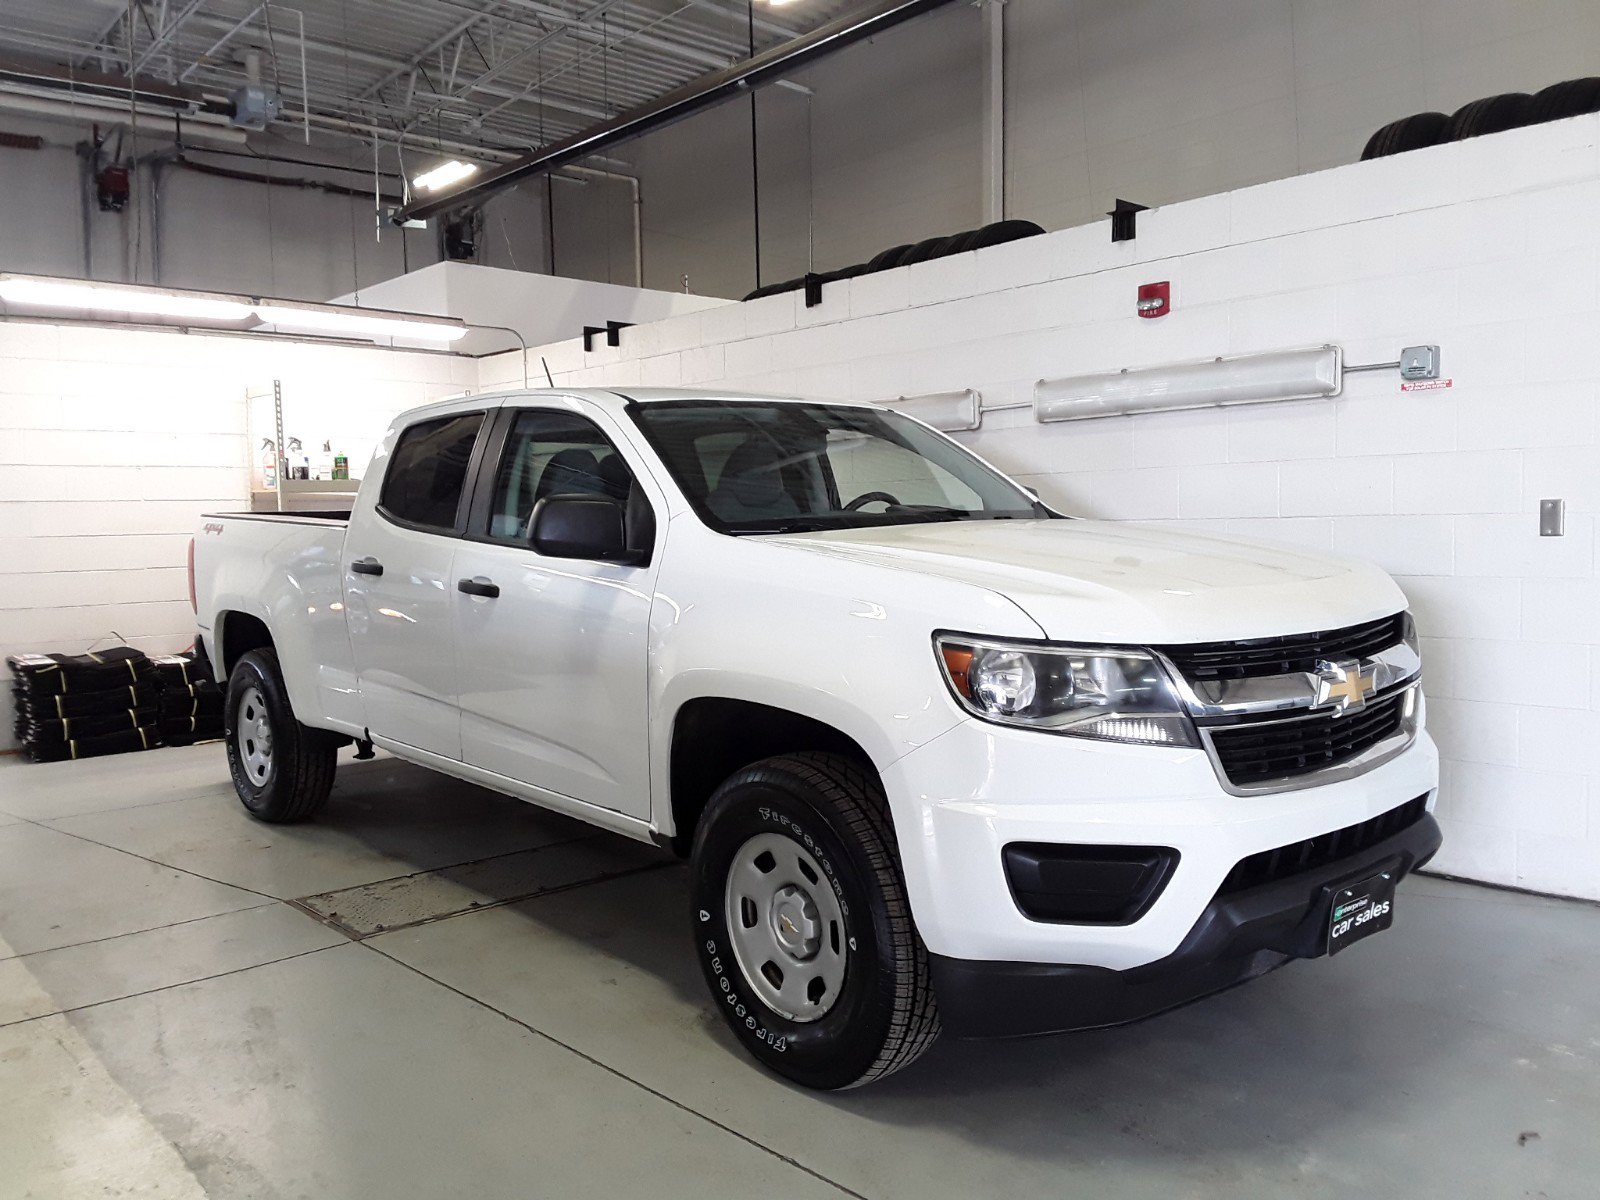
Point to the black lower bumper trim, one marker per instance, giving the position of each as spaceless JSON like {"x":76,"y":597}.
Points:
{"x":1238,"y":937}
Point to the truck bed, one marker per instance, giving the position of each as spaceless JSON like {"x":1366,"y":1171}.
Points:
{"x":320,"y":516}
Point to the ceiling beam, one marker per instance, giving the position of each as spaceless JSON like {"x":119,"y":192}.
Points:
{"x":220,"y":42}
{"x":738,"y":16}
{"x":102,"y":40}
{"x":162,"y":37}
{"x":368,"y":58}
{"x":444,"y":39}
{"x":757,"y":71}
{"x":505,"y":64}
{"x":637,"y":36}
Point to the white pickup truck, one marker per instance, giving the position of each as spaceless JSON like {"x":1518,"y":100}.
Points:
{"x":939,"y":756}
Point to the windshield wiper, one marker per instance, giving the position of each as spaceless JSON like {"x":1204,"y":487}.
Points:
{"x":781,"y":527}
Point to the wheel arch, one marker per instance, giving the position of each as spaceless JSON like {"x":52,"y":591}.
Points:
{"x":235,"y":634}
{"x":713,"y":736}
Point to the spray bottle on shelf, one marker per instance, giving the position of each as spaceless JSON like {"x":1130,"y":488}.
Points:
{"x":269,"y":465}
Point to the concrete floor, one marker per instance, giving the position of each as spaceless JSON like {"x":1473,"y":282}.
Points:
{"x":175,"y":1022}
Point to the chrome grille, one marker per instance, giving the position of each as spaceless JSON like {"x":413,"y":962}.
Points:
{"x":1255,"y":752}
{"x":1257,"y":657}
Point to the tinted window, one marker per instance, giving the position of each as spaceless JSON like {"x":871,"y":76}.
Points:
{"x":428,"y":471}
{"x":759,"y":467}
{"x":552,"y":453}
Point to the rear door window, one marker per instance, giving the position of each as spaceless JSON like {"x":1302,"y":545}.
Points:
{"x":428,"y":472}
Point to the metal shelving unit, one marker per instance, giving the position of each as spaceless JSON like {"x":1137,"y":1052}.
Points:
{"x":288,"y":495}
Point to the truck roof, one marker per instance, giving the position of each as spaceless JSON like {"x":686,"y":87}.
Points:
{"x":614,"y":400}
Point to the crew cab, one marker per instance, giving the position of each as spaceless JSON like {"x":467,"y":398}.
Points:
{"x":940,"y":757}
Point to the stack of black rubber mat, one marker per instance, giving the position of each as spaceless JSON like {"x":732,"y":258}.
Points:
{"x":85,"y":705}
{"x":190,"y":704}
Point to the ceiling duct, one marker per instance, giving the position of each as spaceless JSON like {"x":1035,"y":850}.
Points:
{"x":709,"y":90}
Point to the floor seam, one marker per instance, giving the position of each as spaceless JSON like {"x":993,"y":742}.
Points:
{"x":136,"y":932}
{"x":488,"y":906}
{"x":157,"y":862}
{"x":610,"y":1070}
{"x":166,"y":987}
{"x":199,"y":794}
{"x":468,"y":862}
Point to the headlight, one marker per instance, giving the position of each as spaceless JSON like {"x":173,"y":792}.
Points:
{"x":1114,"y":695}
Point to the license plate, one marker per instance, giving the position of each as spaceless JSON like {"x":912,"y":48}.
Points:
{"x":1360,"y":910}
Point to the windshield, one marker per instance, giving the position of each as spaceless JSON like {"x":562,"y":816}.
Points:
{"x":787,"y":467}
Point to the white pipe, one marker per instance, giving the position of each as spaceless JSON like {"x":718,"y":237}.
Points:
{"x":108,"y":112}
{"x":638,"y":213}
{"x":994,"y":111}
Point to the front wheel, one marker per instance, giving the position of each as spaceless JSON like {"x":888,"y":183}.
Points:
{"x":282,"y":770}
{"x":802,"y":925}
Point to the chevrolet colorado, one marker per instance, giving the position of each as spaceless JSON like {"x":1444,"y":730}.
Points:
{"x":939,"y":756}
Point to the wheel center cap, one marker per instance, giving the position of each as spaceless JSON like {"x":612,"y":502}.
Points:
{"x":794,"y":922}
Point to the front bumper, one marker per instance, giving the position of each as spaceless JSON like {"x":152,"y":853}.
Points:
{"x":1236,"y":938}
{"x":961,"y":798}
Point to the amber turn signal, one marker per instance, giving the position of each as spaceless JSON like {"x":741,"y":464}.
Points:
{"x":957,"y":661}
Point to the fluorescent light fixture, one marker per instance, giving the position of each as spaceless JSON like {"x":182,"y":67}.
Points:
{"x":444,"y":175}
{"x":949,"y":411}
{"x":359,"y":322}
{"x":43,"y":293}
{"x":26,"y":292}
{"x":1308,"y":374}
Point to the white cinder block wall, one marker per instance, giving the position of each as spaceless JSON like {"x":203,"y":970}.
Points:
{"x":1485,"y":247}
{"x":113,"y":442}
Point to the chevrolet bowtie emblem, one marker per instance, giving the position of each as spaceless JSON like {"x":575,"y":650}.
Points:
{"x":1344,"y":686}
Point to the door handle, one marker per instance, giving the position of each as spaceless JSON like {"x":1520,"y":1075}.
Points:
{"x":367,"y":566}
{"x":478,"y":586}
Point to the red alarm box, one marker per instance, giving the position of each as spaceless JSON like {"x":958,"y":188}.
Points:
{"x":1155,"y":299}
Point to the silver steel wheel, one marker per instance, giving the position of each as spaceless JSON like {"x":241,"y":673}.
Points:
{"x":255,"y":736}
{"x":786,"y":927}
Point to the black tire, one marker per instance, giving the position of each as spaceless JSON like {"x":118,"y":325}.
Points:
{"x":998,"y":232}
{"x":883,"y":1015}
{"x":1492,"y":114}
{"x":1408,"y":133}
{"x":776,"y":289}
{"x":1570,"y":98}
{"x":883,"y":260}
{"x":960,"y":243}
{"x":299,"y":761}
{"x":934,"y":247}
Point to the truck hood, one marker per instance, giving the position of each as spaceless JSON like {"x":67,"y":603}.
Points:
{"x":1095,"y":581}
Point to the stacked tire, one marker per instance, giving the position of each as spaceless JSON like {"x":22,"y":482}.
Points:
{"x":905,"y":255}
{"x":1492,"y":114}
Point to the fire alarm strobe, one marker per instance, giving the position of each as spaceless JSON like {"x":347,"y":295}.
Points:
{"x":1155,"y":299}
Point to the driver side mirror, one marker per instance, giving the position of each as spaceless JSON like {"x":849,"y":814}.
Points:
{"x":590,"y":527}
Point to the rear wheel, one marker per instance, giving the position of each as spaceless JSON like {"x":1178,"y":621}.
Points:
{"x":282,"y":770}
{"x":802,"y":925}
